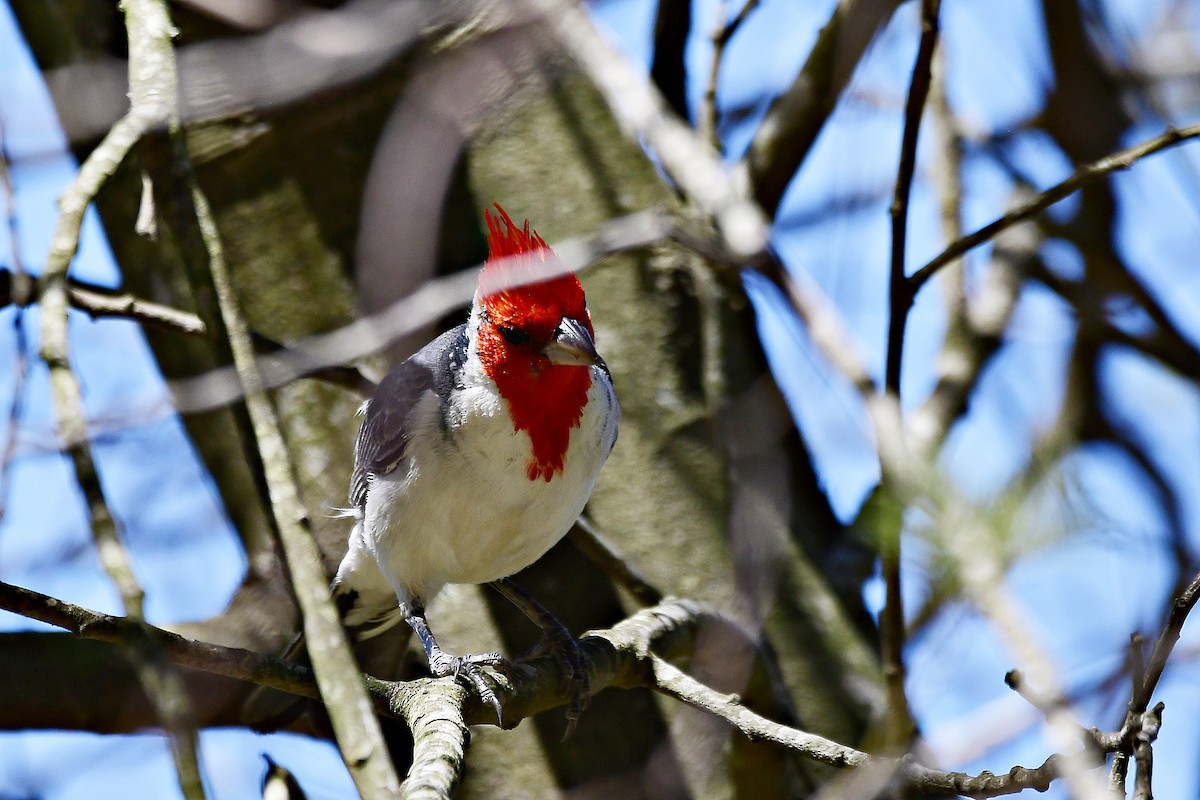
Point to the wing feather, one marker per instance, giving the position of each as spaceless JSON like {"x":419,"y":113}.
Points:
{"x":386,"y":427}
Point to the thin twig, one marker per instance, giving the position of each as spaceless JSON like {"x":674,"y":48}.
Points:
{"x":20,"y":278}
{"x":707,"y":122}
{"x":20,"y":290}
{"x":672,"y":681}
{"x":914,"y":112}
{"x":53,"y":300}
{"x":900,"y":724}
{"x":1165,"y":643}
{"x":1090,"y":173}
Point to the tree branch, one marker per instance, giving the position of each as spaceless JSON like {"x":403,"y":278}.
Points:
{"x":688,"y":160}
{"x":355,"y":726}
{"x":631,"y":654}
{"x":1090,"y":173}
{"x":96,"y":301}
{"x":708,"y":117}
{"x":790,"y":127}
{"x":161,"y":683}
{"x":900,"y":724}
{"x":668,"y":69}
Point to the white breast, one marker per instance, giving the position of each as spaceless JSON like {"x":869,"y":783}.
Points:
{"x":461,"y":508}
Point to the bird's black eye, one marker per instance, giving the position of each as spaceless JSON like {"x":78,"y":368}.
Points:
{"x":513,"y":335}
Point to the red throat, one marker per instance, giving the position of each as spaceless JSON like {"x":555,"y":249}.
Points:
{"x":545,"y":400}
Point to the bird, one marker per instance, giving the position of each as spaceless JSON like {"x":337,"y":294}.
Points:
{"x":476,"y":455}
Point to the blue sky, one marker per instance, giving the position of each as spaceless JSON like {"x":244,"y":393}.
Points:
{"x":1079,"y":589}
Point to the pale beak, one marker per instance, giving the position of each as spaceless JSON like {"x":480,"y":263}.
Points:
{"x":572,"y":345}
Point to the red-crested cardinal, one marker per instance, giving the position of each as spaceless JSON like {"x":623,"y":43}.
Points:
{"x":476,"y":455}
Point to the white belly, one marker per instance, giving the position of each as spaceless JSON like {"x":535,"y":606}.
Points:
{"x":463,"y":509}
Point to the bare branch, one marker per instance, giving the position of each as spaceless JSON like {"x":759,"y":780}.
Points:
{"x":153,"y":80}
{"x":1143,"y":752}
{"x":1090,"y":173}
{"x":689,"y":161}
{"x":708,"y":116}
{"x":95,"y":170}
{"x":631,"y":653}
{"x":792,"y":123}
{"x":900,"y":724}
{"x":356,"y":728}
{"x":160,"y":683}
{"x":19,"y":289}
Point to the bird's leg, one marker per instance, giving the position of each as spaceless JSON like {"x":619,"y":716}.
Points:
{"x":557,"y":641}
{"x":468,"y":669}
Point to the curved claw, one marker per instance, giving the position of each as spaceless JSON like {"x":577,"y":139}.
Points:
{"x":468,"y":670}
{"x":574,"y":664}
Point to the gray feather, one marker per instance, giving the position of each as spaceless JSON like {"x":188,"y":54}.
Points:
{"x":386,"y":427}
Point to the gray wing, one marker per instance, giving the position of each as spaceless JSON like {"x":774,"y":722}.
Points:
{"x":383,"y":437}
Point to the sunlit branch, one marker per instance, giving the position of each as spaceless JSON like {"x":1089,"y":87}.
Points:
{"x":631,"y":653}
{"x":19,"y":289}
{"x":161,"y":684}
{"x":689,"y":161}
{"x":356,"y":727}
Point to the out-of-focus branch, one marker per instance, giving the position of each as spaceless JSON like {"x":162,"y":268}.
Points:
{"x":314,"y":354}
{"x":687,"y":159}
{"x":668,"y":69}
{"x":786,"y":134}
{"x":972,"y":337}
{"x":600,"y":552}
{"x":899,"y":724}
{"x":19,"y":289}
{"x":20,"y":278}
{"x":708,"y":116}
{"x":1090,"y":173}
{"x":968,"y":539}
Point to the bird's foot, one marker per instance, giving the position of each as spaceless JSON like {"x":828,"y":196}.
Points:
{"x":468,"y":670}
{"x":574,"y":664}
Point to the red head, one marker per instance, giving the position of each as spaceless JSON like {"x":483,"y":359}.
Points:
{"x":535,"y":342}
